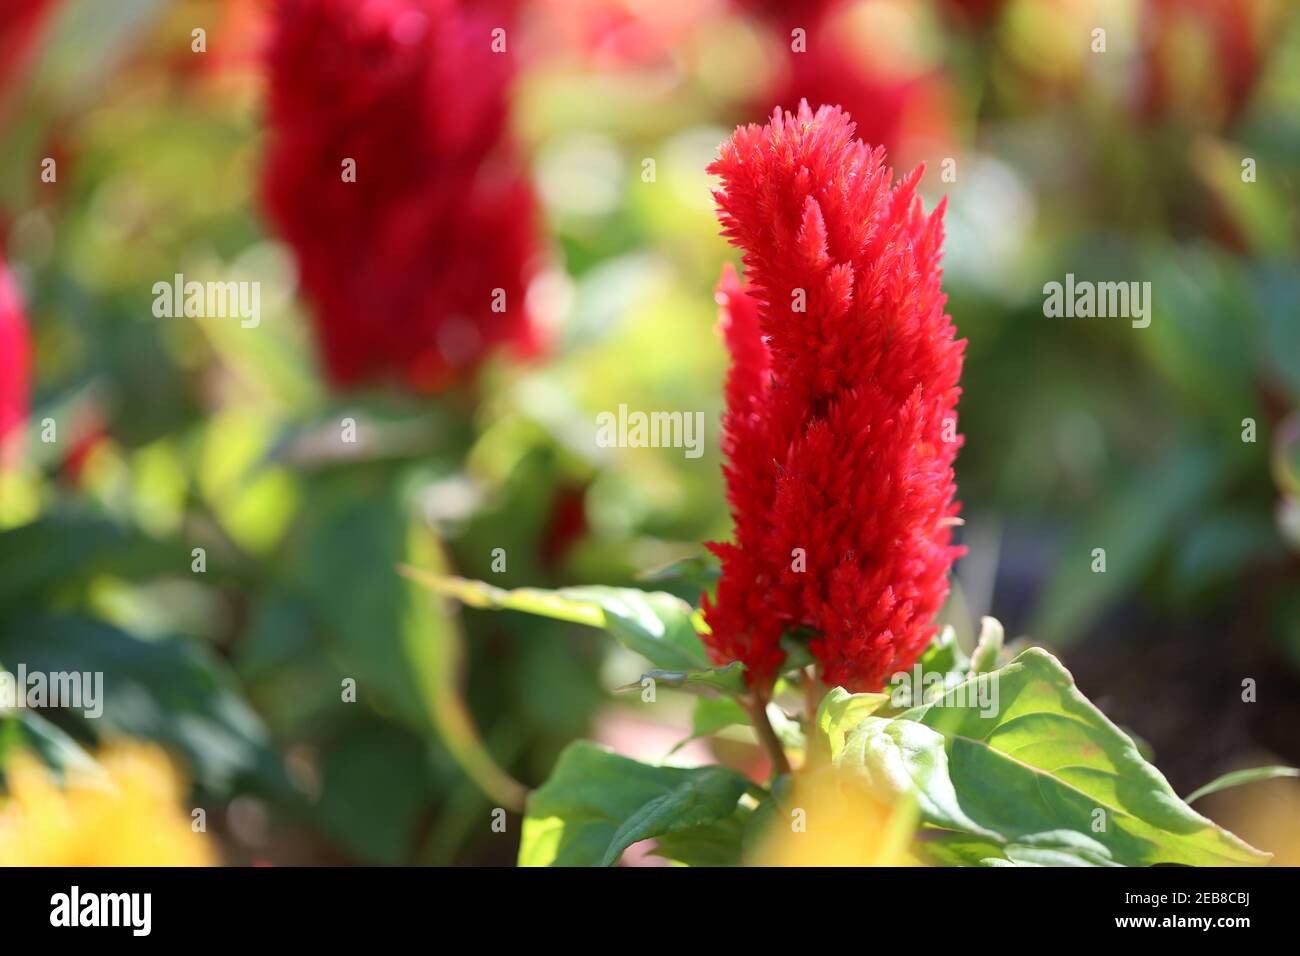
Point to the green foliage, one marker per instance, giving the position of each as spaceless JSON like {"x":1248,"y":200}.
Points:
{"x":1038,"y":777}
{"x":1239,"y":777}
{"x":839,"y":712}
{"x":656,"y":625}
{"x":62,"y":551}
{"x":1078,"y":435}
{"x":597,"y":804}
{"x":167,"y":690}
{"x":1008,"y":766}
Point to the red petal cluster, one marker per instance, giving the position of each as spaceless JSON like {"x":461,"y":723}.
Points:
{"x":1232,"y":39}
{"x":402,"y":265}
{"x":840,"y":431}
{"x":19,"y":22}
{"x":15,"y":360}
{"x":897,"y":105}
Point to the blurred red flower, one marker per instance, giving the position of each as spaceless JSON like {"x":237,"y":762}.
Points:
{"x":840,"y":430}
{"x":15,"y":361}
{"x":1201,"y":59}
{"x":419,"y":267}
{"x":841,"y":58}
{"x":616,"y":34}
{"x":19,"y":20}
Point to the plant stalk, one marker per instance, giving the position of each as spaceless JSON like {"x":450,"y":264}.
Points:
{"x":757,"y":707}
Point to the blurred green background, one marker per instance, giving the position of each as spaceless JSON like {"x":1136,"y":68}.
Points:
{"x":176,"y":434}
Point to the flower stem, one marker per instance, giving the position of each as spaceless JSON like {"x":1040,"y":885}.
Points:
{"x":811,"y":697}
{"x":757,"y":707}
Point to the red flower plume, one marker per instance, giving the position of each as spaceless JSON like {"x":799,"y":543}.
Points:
{"x":15,"y":359}
{"x":418,"y":268}
{"x":840,"y":431}
{"x":898,"y":105}
{"x":20,"y":21}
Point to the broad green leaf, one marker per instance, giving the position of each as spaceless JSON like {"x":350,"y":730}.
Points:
{"x":1061,"y":848}
{"x":1037,"y":770}
{"x":944,"y":655}
{"x":435,"y":648}
{"x":988,"y":649}
{"x":724,"y":680}
{"x":718,"y":844}
{"x":788,"y":729}
{"x":711,"y":715}
{"x":943,"y":665}
{"x":352,"y":534}
{"x":400,"y":643}
{"x":596,"y":804}
{"x":707,"y":796}
{"x":701,"y":570}
{"x":657,"y":625}
{"x":377,"y":784}
{"x":61,"y":550}
{"x":168,"y":690}
{"x":27,"y":730}
{"x":1238,"y":777}
{"x":716,"y":713}
{"x":840,"y":711}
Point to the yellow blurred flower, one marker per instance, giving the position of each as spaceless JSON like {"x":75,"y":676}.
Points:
{"x":829,"y":820}
{"x":131,"y":815}
{"x":1266,"y":815}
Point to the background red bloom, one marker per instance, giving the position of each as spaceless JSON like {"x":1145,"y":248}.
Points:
{"x":403,"y":265}
{"x":19,"y":20}
{"x":840,"y":431}
{"x":898,"y":98}
{"x":15,"y":359}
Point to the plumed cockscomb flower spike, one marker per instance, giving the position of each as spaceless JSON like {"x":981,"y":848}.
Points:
{"x":15,"y":359}
{"x":390,"y":173}
{"x":840,"y":430}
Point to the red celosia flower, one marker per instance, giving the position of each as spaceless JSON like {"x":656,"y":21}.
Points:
{"x":19,"y":20}
{"x":1211,"y":88}
{"x":897,"y":103}
{"x":408,"y":267}
{"x":840,"y":432}
{"x":15,"y":359}
{"x":566,"y":522}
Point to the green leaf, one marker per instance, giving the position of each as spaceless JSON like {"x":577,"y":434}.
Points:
{"x":1238,"y":777}
{"x":711,"y":715}
{"x":701,"y":570}
{"x":169,"y":690}
{"x":354,"y":532}
{"x":377,"y":784}
{"x":656,"y":625}
{"x":728,"y":680}
{"x":718,"y":844}
{"x":943,"y":665}
{"x":988,"y":649}
{"x":399,"y":642}
{"x":840,"y":711}
{"x":707,"y":796}
{"x":65,"y":549}
{"x":944,"y":655}
{"x":596,"y":804}
{"x":25,"y":729}
{"x":435,"y":648}
{"x":788,"y":729}
{"x":716,"y":713}
{"x":1036,"y":770}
